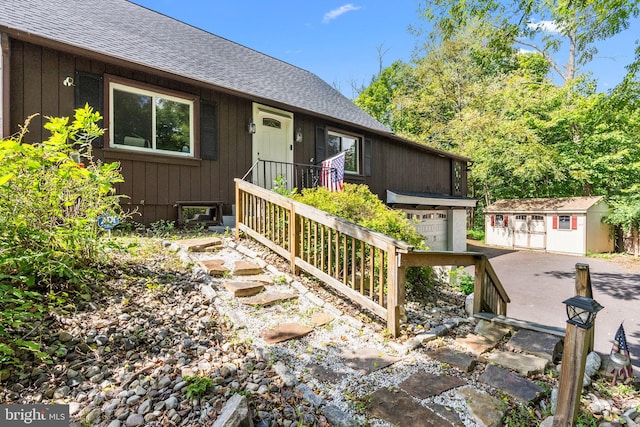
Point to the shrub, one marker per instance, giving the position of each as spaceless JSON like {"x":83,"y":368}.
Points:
{"x":358,"y":204}
{"x":51,"y":194}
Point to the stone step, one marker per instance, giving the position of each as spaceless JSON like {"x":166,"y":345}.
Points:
{"x":461,"y":361}
{"x":367,"y":360}
{"x":243,"y":289}
{"x":525,"y":364}
{"x":269,"y":298}
{"x":521,"y":324}
{"x":539,"y":344}
{"x":486,"y":409}
{"x":423,"y":384}
{"x":246,"y":268}
{"x":398,"y":408}
{"x":476,"y":344}
{"x":214,"y":267}
{"x":285,"y":332}
{"x":203,"y":244}
{"x":511,"y":383}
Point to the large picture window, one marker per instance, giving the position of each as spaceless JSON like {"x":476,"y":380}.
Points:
{"x":338,"y":142}
{"x":145,"y":120}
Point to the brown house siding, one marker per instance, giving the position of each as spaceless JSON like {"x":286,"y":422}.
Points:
{"x":153,"y":183}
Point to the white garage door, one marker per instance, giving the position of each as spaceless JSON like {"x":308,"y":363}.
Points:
{"x":433,"y":226}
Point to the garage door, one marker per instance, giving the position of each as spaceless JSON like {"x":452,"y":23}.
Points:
{"x":529,"y":232}
{"x":433,"y":226}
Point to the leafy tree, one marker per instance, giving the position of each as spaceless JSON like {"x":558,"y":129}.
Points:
{"x":573,"y":25}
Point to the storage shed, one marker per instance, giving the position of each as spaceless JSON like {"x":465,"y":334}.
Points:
{"x":571,"y":225}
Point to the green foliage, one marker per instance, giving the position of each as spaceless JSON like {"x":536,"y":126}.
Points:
{"x":50,"y":202}
{"x":358,"y":204}
{"x":475,"y":235}
{"x":198,"y":386}
{"x":462,"y":280}
{"x":280,"y":187}
{"x":51,"y":195}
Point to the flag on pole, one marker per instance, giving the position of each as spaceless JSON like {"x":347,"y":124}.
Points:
{"x":621,"y":368}
{"x":332,"y":173}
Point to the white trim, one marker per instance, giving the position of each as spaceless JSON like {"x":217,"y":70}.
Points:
{"x":260,"y":111}
{"x":394,"y":198}
{"x":153,"y":94}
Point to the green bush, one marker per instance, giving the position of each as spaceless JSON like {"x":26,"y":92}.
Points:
{"x":475,"y":235}
{"x":51,"y":194}
{"x":358,"y":204}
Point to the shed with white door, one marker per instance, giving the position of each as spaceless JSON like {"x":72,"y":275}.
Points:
{"x":570,"y":225}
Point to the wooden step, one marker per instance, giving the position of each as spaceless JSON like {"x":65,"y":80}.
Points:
{"x":521,"y":324}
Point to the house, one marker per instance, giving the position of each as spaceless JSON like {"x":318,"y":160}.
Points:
{"x":187,"y":111}
{"x":571,"y":225}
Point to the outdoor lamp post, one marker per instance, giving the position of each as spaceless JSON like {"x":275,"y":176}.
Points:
{"x":581,"y":314}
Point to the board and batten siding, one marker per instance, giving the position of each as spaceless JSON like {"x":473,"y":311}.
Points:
{"x":152,"y":183}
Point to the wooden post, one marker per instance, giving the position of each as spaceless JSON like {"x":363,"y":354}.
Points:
{"x":478,"y":283}
{"x":583,"y":289}
{"x":571,"y":376}
{"x":294,"y":238}
{"x":395,"y":280}
{"x":238,"y":210}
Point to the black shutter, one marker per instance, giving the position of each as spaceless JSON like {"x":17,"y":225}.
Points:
{"x":321,"y":144}
{"x":367,"y":157}
{"x":89,"y":90}
{"x":208,"y":130}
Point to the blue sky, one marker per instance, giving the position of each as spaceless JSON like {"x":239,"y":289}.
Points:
{"x":339,"y":40}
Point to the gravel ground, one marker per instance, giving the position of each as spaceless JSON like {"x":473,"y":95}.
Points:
{"x":124,"y":356}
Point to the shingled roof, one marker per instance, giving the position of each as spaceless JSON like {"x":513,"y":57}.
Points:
{"x":124,"y":30}
{"x":561,"y":204}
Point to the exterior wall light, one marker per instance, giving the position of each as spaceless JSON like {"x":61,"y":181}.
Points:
{"x":581,"y":311}
{"x":251,"y":127}
{"x":299,"y":135}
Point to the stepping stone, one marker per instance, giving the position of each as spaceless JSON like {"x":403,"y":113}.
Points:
{"x":246,"y":268}
{"x":459,"y":360}
{"x":262,"y":278}
{"x":399,"y":409}
{"x":525,"y":364}
{"x":539,"y":344}
{"x":513,"y":384}
{"x":325,"y":374}
{"x":243,"y":289}
{"x":285,"y":332}
{"x":214,"y":267}
{"x":268,"y":298}
{"x":423,"y":384}
{"x":486,"y":409}
{"x":476,"y":344}
{"x":321,"y":318}
{"x":367,"y":360}
{"x":492,"y":331}
{"x":201,"y":244}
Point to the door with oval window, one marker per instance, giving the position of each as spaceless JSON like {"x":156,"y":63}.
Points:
{"x":273,"y":143}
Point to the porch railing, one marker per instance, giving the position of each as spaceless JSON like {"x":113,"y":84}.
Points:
{"x":366,"y":266}
{"x":270,"y":174}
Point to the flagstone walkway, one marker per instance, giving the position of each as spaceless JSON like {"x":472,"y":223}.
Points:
{"x":355,"y":374}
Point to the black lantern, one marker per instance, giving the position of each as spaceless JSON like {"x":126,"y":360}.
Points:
{"x":582,"y":311}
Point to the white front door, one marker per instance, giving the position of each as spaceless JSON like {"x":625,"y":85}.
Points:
{"x":273,"y":143}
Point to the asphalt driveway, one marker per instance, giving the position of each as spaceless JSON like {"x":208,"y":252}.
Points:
{"x":537,"y":283}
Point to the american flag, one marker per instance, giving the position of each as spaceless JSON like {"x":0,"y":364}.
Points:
{"x":332,"y":174}
{"x":621,"y":373}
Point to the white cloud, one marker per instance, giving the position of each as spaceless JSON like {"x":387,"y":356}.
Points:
{"x":329,"y":16}
{"x":545,"y":26}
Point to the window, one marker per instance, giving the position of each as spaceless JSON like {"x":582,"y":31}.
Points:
{"x":537,"y":218}
{"x":521,"y":217}
{"x":337,"y":143}
{"x":499,"y":220}
{"x":148,"y":120}
{"x":564,"y":222}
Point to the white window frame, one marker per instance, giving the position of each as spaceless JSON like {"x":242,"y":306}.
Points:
{"x":358,"y":141}
{"x":191,"y":101}
{"x":564,"y":225}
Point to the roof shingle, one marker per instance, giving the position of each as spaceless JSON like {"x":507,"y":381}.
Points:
{"x":124,"y":30}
